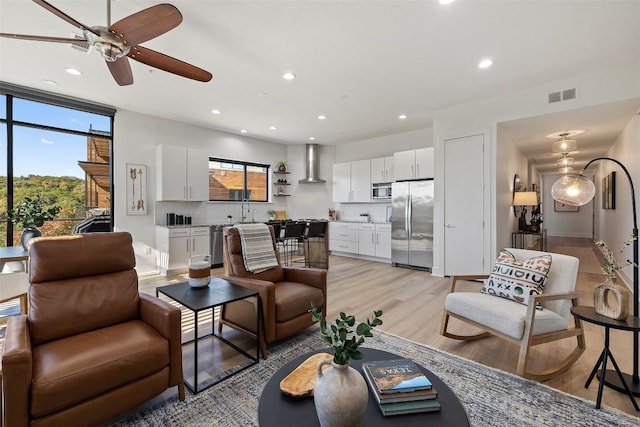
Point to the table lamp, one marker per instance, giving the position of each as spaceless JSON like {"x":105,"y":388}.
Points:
{"x":524,"y":198}
{"x":578,"y":190}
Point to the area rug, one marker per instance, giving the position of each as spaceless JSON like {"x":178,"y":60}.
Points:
{"x":491,"y":397}
{"x":589,"y":262}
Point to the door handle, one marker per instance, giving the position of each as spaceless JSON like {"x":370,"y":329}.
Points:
{"x":450,"y":226}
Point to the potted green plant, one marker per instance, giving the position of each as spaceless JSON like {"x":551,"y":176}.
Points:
{"x":282,"y":166}
{"x":230,"y":217}
{"x":30,"y":214}
{"x":340,"y":393}
{"x":272,"y":214}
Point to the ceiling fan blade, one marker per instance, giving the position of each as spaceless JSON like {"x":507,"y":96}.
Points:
{"x":60,"y":14}
{"x":121,"y":71}
{"x":169,"y":64}
{"x":147,"y":24}
{"x":44,"y":38}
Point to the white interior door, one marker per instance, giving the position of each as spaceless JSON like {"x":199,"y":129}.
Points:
{"x":464,"y":206}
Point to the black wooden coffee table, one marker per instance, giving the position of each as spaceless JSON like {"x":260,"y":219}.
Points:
{"x":276,"y":409}
{"x":219,"y":292}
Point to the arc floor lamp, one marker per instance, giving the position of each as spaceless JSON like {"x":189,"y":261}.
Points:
{"x":578,"y":190}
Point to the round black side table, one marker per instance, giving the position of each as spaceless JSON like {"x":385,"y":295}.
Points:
{"x":588,"y":314}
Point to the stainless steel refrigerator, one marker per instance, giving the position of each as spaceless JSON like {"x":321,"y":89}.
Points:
{"x":412,"y":224}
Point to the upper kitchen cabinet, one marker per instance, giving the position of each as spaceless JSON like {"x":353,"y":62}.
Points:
{"x":352,"y":182}
{"x":382,"y":170}
{"x":181,"y":174}
{"x":413,"y":164}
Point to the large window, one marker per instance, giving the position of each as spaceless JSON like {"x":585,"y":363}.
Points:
{"x":54,"y":150}
{"x":231,"y":180}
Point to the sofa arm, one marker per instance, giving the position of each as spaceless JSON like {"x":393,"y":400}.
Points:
{"x":17,"y":365}
{"x":167,"y":320}
{"x":267,"y":292}
{"x":309,"y":276}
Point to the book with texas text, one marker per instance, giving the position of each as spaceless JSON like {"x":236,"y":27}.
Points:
{"x":399,"y":397}
{"x":396,"y":376}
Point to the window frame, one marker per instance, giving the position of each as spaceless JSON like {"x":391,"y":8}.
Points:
{"x":245,"y":165}
{"x":11,"y":92}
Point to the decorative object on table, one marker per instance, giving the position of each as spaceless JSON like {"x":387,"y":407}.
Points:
{"x":536,"y":220}
{"x":30,"y":214}
{"x":282,"y":166}
{"x":136,"y":189}
{"x":230,"y":218}
{"x":301,"y":381}
{"x":332,"y":214}
{"x":272,"y":214}
{"x":579,"y":190}
{"x":620,"y":308}
{"x":199,"y":271}
{"x":340,"y":393}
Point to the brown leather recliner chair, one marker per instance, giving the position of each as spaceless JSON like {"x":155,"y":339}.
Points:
{"x":286,"y":294}
{"x":91,"y":346}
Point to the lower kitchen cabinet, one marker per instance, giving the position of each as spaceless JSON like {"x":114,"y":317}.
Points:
{"x":176,"y":245}
{"x":361,"y":239}
{"x":374,"y":240}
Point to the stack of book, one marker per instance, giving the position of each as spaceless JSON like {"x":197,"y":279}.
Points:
{"x":400,"y":387}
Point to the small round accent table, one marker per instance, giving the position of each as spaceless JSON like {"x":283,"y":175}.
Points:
{"x":276,"y":409}
{"x":613,"y":378}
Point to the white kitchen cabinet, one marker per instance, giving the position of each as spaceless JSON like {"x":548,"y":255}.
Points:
{"x":352,"y":182}
{"x":374,"y":240}
{"x":413,"y":164}
{"x":182,"y":174}
{"x":343,"y":237}
{"x":382,"y":170}
{"x":176,"y":245}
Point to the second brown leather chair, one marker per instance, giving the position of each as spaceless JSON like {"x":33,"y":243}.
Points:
{"x":286,"y":294}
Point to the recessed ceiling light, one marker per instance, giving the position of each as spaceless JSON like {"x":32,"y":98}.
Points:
{"x":288,"y":76}
{"x":273,"y":127}
{"x":73,"y":71}
{"x":402,"y":116}
{"x":322,"y":117}
{"x":485,"y":63}
{"x":446,"y":1}
{"x":51,"y":82}
{"x":312,"y":138}
{"x":215,"y":111}
{"x":243,"y":131}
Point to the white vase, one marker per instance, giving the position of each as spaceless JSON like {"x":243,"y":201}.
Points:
{"x":340,"y":395}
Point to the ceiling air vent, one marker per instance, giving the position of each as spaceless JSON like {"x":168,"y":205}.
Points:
{"x":569,"y":94}
{"x":555,"y":97}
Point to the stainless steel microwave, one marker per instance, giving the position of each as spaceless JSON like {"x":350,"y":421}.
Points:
{"x":381,"y":191}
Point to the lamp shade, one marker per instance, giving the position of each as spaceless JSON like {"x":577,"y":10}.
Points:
{"x":575,"y":190}
{"x":565,"y":169}
{"x":525,"y":198}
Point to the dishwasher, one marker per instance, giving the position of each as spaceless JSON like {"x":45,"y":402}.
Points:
{"x":216,"y":245}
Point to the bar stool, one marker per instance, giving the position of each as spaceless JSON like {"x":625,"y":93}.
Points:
{"x":293,"y":233}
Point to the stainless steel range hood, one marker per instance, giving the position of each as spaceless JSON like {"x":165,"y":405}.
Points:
{"x":312,"y":165}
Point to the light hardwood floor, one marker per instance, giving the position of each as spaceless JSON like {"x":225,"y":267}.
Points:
{"x":412,"y":302}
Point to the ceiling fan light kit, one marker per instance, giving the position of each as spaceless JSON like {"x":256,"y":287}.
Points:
{"x":121,"y":41}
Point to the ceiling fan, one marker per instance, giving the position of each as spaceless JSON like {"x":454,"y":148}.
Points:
{"x":122,"y":40}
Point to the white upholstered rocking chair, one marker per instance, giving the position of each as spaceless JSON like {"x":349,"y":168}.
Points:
{"x":522,"y":324}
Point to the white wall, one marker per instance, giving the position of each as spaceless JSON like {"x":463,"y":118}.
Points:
{"x":384,"y":145}
{"x":615,"y":225}
{"x":564,"y":224}
{"x":592,"y":89}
